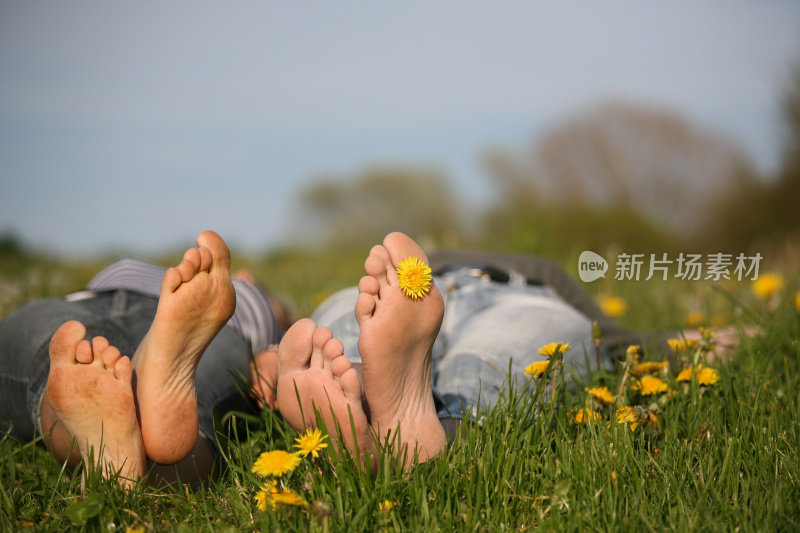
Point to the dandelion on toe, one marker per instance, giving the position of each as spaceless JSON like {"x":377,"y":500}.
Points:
{"x":414,"y":277}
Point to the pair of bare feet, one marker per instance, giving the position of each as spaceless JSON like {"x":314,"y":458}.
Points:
{"x":120,"y":411}
{"x":395,"y":401}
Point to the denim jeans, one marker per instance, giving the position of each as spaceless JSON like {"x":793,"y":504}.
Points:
{"x":487,"y":326}
{"x":123,"y":317}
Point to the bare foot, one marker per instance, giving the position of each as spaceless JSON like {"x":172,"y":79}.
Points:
{"x":314,"y":367}
{"x":196,"y":301}
{"x":397,"y":334}
{"x":89,"y":391}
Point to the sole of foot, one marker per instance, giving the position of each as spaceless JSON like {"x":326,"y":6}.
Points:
{"x":397,"y":333}
{"x":317,"y":378}
{"x":197,"y":299}
{"x":89,"y":389}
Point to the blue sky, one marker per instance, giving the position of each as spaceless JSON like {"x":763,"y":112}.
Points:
{"x":134,"y":125}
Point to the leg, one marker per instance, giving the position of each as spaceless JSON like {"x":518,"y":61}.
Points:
{"x":89,"y":398}
{"x":196,"y":301}
{"x":313,"y":366}
{"x":397,"y":335}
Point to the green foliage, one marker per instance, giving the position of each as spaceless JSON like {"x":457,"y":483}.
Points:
{"x":361,"y":210}
{"x":719,"y":459}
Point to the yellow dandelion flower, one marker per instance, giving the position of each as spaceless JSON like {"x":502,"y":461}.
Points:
{"x":275,"y":463}
{"x":694,"y":318}
{"x":536,"y":369}
{"x":684,"y":375}
{"x":707,"y":376}
{"x":602,"y":394}
{"x":311,"y":442}
{"x":707,"y":333}
{"x":261,"y":500}
{"x":264,"y":496}
{"x":131,"y":529}
{"x":682,"y":345}
{"x":549,"y":350}
{"x":386,"y":506}
{"x":649,"y":366}
{"x":414,"y":277}
{"x":797,"y":301}
{"x":650,"y":385}
{"x":584,"y":415}
{"x":612,"y":306}
{"x":635,"y":416}
{"x":627,"y":415}
{"x":633,"y":350}
{"x":287,"y":497}
{"x":766,"y":285}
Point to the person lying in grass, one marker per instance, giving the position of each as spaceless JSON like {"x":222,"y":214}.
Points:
{"x":420,"y":353}
{"x":137,"y":364}
{"x":373,"y":359}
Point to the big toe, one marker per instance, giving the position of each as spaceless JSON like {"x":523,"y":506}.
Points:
{"x":399,"y":246}
{"x":294,"y":351}
{"x":221,"y":255}
{"x":64,"y":343}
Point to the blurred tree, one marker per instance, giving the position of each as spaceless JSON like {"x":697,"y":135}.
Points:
{"x":10,"y":246}
{"x":362,"y":210}
{"x":625,"y":162}
{"x":521,"y":221}
{"x":766,"y":216}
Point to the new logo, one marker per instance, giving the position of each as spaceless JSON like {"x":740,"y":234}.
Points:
{"x":591,"y":266}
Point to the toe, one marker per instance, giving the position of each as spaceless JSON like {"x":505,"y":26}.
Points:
{"x":99,"y":345}
{"x":351,"y":385}
{"x":294,"y":351}
{"x":110,"y":356}
{"x":369,"y":285}
{"x":123,"y":369}
{"x":365,"y":307}
{"x":205,"y":259}
{"x":399,"y":246}
{"x":332,"y":349}
{"x":83,"y":353}
{"x":320,"y":338}
{"x":65,"y":341}
{"x":340,"y":365}
{"x":220,"y":254}
{"x":171,"y":280}
{"x":377,"y":262}
{"x":190,"y":264}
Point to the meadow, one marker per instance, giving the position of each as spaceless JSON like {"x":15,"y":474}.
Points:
{"x":639,"y":449}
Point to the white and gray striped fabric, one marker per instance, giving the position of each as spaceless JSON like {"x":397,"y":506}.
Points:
{"x":253,"y":318}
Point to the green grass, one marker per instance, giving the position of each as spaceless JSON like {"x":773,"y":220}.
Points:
{"x":721,"y":458}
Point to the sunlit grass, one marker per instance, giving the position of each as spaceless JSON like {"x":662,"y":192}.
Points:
{"x":718,"y":457}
